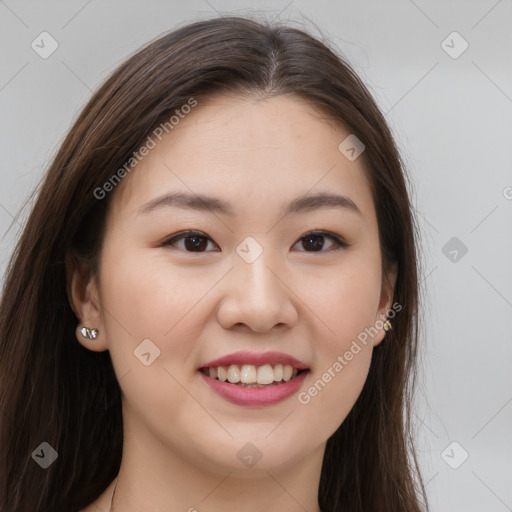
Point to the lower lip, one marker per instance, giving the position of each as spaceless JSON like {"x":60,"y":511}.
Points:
{"x":255,"y":396}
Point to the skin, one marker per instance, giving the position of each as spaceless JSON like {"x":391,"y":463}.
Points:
{"x":181,"y":438}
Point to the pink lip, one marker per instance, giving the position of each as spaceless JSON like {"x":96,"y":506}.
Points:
{"x":256,"y":359}
{"x":255,"y":396}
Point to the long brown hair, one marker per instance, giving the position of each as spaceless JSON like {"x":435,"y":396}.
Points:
{"x":56,"y":391}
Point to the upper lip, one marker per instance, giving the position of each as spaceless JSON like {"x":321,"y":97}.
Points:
{"x":256,"y":359}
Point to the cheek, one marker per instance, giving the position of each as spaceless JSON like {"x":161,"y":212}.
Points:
{"x":333,"y":390}
{"x":344,"y":301}
{"x":147,"y":296}
{"x":145,"y":300}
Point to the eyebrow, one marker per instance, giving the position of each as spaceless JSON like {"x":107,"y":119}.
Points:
{"x":200,"y":202}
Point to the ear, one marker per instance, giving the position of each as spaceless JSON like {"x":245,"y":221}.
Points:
{"x":386,"y":301}
{"x":84,"y":298}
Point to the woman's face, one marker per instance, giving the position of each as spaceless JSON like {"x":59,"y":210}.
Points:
{"x":261,"y":183}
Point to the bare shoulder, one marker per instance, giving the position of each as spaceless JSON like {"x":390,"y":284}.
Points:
{"x":93,"y":507}
{"x":102,"y":503}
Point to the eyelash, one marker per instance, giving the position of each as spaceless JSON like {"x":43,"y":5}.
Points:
{"x":338,"y":242}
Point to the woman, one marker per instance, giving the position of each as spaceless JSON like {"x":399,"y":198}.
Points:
{"x":214,"y":301}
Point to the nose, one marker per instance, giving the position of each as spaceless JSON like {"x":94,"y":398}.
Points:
{"x":256,"y":296}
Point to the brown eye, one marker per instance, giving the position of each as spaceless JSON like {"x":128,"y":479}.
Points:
{"x":196,"y":243}
{"x":189,"y":241}
{"x":321,"y":241}
{"x":313,"y":242}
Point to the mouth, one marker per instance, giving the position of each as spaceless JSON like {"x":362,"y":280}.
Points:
{"x":252,"y":376}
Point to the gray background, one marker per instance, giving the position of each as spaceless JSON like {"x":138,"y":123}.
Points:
{"x":452,"y":120}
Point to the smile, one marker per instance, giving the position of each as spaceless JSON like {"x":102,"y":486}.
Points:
{"x":252,"y":376}
{"x":254,"y":379}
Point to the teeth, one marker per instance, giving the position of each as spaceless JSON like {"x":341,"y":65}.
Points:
{"x":222,"y":374}
{"x":278,"y":372}
{"x":249,"y":374}
{"x":265,"y":374}
{"x":234,"y":374}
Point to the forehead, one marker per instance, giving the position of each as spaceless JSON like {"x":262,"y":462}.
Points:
{"x":249,"y":150}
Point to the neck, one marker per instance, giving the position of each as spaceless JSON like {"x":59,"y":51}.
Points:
{"x":230,"y":493}
{"x":151,"y":479}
